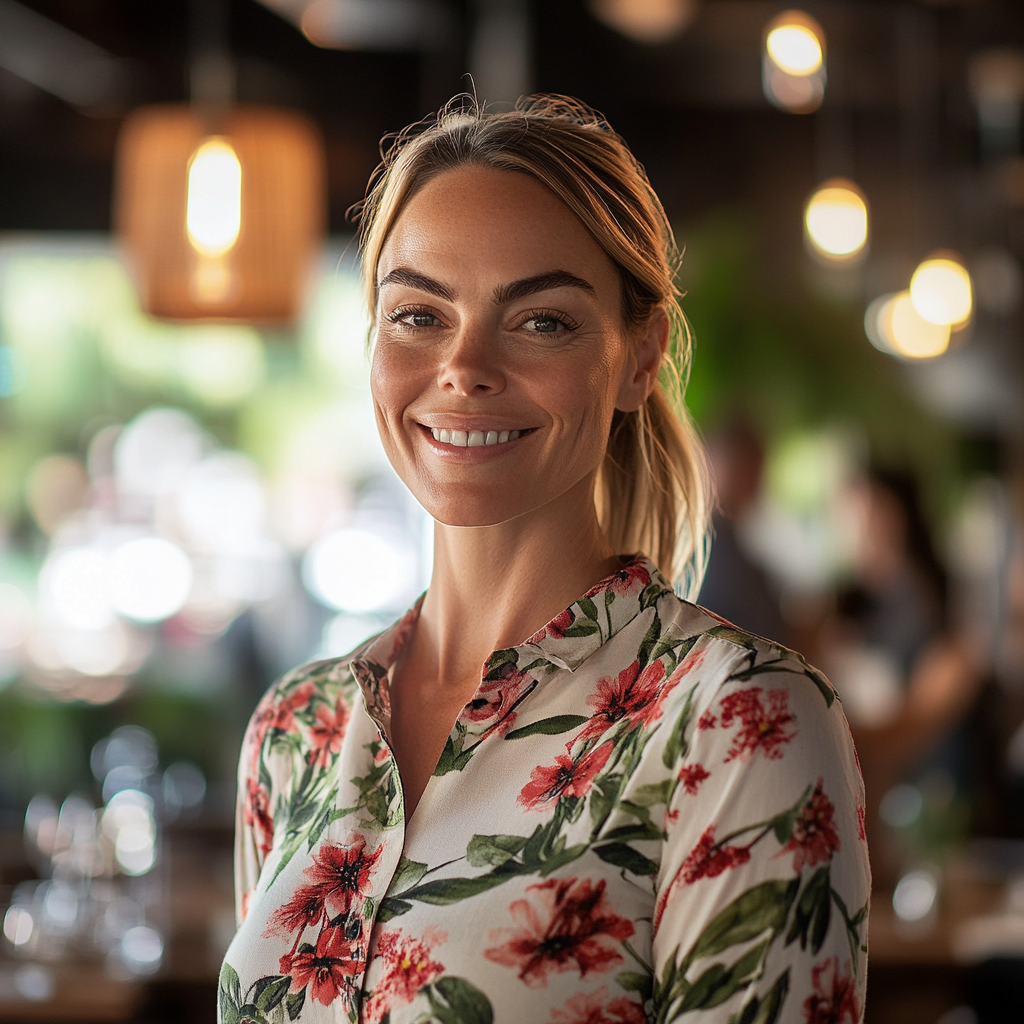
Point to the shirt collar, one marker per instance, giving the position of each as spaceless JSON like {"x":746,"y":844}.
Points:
{"x":567,"y":641}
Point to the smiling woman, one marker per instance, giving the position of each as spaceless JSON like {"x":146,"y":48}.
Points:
{"x":632,"y":811}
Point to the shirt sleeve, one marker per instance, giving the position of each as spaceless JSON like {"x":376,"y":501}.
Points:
{"x":252,"y":809}
{"x":763,"y":890}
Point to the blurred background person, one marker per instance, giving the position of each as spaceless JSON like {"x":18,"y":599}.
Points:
{"x":735,"y":586}
{"x":907,"y":681}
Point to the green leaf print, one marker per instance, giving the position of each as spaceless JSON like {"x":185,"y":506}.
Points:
{"x":493,"y":851}
{"x":852,"y":926}
{"x":229,"y":994}
{"x":719,"y":983}
{"x":651,"y":637}
{"x":392,"y":907}
{"x":269,"y":991}
{"x":677,"y":746}
{"x":463,"y":1002}
{"x":763,"y":908}
{"x":635,"y":981}
{"x":548,"y":726}
{"x":407,"y":874}
{"x":294,"y":1003}
{"x":446,"y":891}
{"x":766,"y":1010}
{"x":453,"y":758}
{"x":250,"y":1014}
{"x":624,"y":856}
{"x":603,"y":798}
{"x":813,"y":912}
{"x":588,"y":607}
{"x":581,"y":627}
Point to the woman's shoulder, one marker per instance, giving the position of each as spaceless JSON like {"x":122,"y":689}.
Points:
{"x":718,"y":665}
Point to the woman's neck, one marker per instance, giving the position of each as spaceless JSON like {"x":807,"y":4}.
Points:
{"x":494,"y":586}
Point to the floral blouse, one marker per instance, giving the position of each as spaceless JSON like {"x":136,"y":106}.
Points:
{"x":644,"y":814}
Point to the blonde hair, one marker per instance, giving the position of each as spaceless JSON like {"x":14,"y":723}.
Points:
{"x":652,"y":490}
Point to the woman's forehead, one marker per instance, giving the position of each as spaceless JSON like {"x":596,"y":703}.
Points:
{"x":500,"y":223}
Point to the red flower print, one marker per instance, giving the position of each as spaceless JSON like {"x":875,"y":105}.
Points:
{"x":257,"y":816}
{"x":691,"y":776}
{"x":326,"y":969}
{"x":305,"y":908}
{"x":342,"y":873}
{"x":327,"y":733}
{"x":630,"y":579}
{"x":564,"y":778}
{"x":814,"y":839}
{"x":277,"y":712}
{"x":706,"y":860}
{"x":834,"y":999}
{"x":339,"y":877}
{"x":634,"y":696}
{"x":407,"y":967}
{"x":572,"y":927}
{"x":707,"y":721}
{"x":764,"y":729}
{"x":496,"y":697}
{"x":861,"y":815}
{"x":555,"y":628}
{"x":595,"y":1008}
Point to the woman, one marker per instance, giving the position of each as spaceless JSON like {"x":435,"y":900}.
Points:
{"x":634,"y":811}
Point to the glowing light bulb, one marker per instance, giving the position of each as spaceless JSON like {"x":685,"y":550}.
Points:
{"x":911,"y":335}
{"x":793,"y":45}
{"x":836,"y":220}
{"x":941,"y":292}
{"x":213,"y":215}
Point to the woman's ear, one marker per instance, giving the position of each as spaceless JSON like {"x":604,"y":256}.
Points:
{"x":640,"y":374}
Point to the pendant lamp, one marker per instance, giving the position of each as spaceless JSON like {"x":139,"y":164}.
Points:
{"x":220,"y":210}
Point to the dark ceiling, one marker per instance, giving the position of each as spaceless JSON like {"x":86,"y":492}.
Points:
{"x":897,"y":114}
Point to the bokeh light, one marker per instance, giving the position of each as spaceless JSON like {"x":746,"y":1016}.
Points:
{"x":836,"y":220}
{"x":941,"y":291}
{"x":75,"y":583}
{"x":355,"y":570}
{"x":793,"y":45}
{"x":912,"y":336}
{"x":793,"y":62}
{"x":893,"y":326}
{"x":646,"y":21}
{"x":128,"y":820}
{"x":150,"y":579}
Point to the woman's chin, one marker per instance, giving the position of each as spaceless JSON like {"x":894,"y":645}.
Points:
{"x":470,"y":515}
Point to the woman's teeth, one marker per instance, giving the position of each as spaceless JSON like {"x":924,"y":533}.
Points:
{"x":473,"y":438}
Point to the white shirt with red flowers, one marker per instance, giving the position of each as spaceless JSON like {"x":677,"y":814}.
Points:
{"x":644,"y":814}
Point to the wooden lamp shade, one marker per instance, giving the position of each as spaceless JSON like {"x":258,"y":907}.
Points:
{"x":261,"y":277}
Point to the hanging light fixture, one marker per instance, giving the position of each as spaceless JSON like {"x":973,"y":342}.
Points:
{"x":220,"y":216}
{"x":220,"y":208}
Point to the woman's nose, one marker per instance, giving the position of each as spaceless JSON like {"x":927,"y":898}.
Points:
{"x":471,"y":365}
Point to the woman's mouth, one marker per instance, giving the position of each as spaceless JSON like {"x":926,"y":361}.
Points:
{"x":475,"y":438}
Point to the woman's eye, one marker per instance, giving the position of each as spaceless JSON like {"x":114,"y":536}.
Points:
{"x":543,"y":324}
{"x":414,"y":318}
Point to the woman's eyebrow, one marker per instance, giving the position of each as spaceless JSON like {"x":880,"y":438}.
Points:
{"x":414,"y":279}
{"x":539,"y":283}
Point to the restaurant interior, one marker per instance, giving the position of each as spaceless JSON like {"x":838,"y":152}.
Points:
{"x":194,"y":499}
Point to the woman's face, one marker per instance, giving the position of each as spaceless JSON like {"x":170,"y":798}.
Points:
{"x":501,"y":353}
